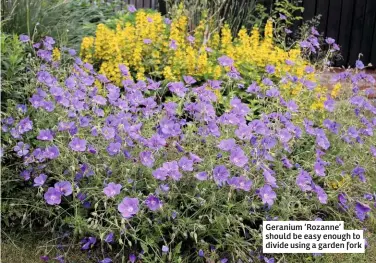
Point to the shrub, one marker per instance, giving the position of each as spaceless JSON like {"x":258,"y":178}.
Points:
{"x":179,"y":182}
{"x":153,"y":47}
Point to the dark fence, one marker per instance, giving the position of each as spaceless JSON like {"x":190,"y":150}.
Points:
{"x":143,"y":3}
{"x":351,"y":22}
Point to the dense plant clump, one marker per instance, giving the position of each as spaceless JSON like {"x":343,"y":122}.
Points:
{"x":143,"y":175}
{"x":155,"y":47}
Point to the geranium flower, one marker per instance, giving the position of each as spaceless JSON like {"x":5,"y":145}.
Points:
{"x":78,"y":145}
{"x":241,"y":182}
{"x":128,"y":207}
{"x":21,"y":148}
{"x":267,"y":195}
{"x":147,"y":158}
{"x":113,"y":148}
{"x":24,"y":38}
{"x":186,"y":164}
{"x":360,"y":172}
{"x":304,"y":181}
{"x":165,"y":249}
{"x":321,"y":195}
{"x":153,"y":203}
{"x":225,"y":61}
{"x":64,"y":187}
{"x":202,"y":176}
{"x":220,"y":174}
{"x":132,"y":258}
{"x":238,"y":158}
{"x":361,"y":210}
{"x":112,"y":189}
{"x":227,"y":144}
{"x":40,"y":180}
{"x":52,"y":196}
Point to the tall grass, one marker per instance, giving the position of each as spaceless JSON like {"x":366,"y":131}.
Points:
{"x":236,"y":13}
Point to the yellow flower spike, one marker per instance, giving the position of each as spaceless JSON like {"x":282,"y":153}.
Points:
{"x":56,"y":55}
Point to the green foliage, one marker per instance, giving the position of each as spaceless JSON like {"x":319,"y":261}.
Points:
{"x":235,"y":13}
{"x":14,"y":72}
{"x":292,"y":9}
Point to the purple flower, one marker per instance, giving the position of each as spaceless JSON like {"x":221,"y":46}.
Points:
{"x":168,"y":169}
{"x":282,"y":16}
{"x":330,"y":40}
{"x":352,"y":132}
{"x":45,"y":135}
{"x":112,"y":189}
{"x":267,"y":195}
{"x":64,"y":187}
{"x":147,"y":41}
{"x":147,"y":158}
{"x":99,"y":100}
{"x":292,"y":106}
{"x":321,"y":195}
{"x":113,"y":148}
{"x":329,"y":104}
{"x":78,"y":145}
{"x":359,"y":64}
{"x":332,"y":126}
{"x":342,"y":200}
{"x":268,"y":82}
{"x":21,"y":148}
{"x":25,"y":125}
{"x":202,"y":176}
{"x":109,"y":238}
{"x":270,"y":69}
{"x":186,"y":164}
{"x":360,"y":172}
{"x":40,"y":180}
{"x":195,"y":158}
{"x":131,"y":8}
{"x":108,"y":132}
{"x":201,"y":253}
{"x":225,"y":61}
{"x":238,"y":158}
{"x":44,"y":258}
{"x":132,"y":258}
{"x":284,"y":135}
{"x":319,"y":168}
{"x":241,"y":182}
{"x":52,"y":196}
{"x":361,"y":210}
{"x":227,"y":144}
{"x":368,"y":196}
{"x":189,"y":80}
{"x":220,"y":174}
{"x":272,"y":93}
{"x":178,"y":88}
{"x":304,"y":181}
{"x":128,"y":207}
{"x":24,"y":38}
{"x":106,"y":260}
{"x":191,"y":39}
{"x":321,"y":139}
{"x":165,"y":249}
{"x":88,"y":242}
{"x":173,"y":44}
{"x":153,"y":203}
